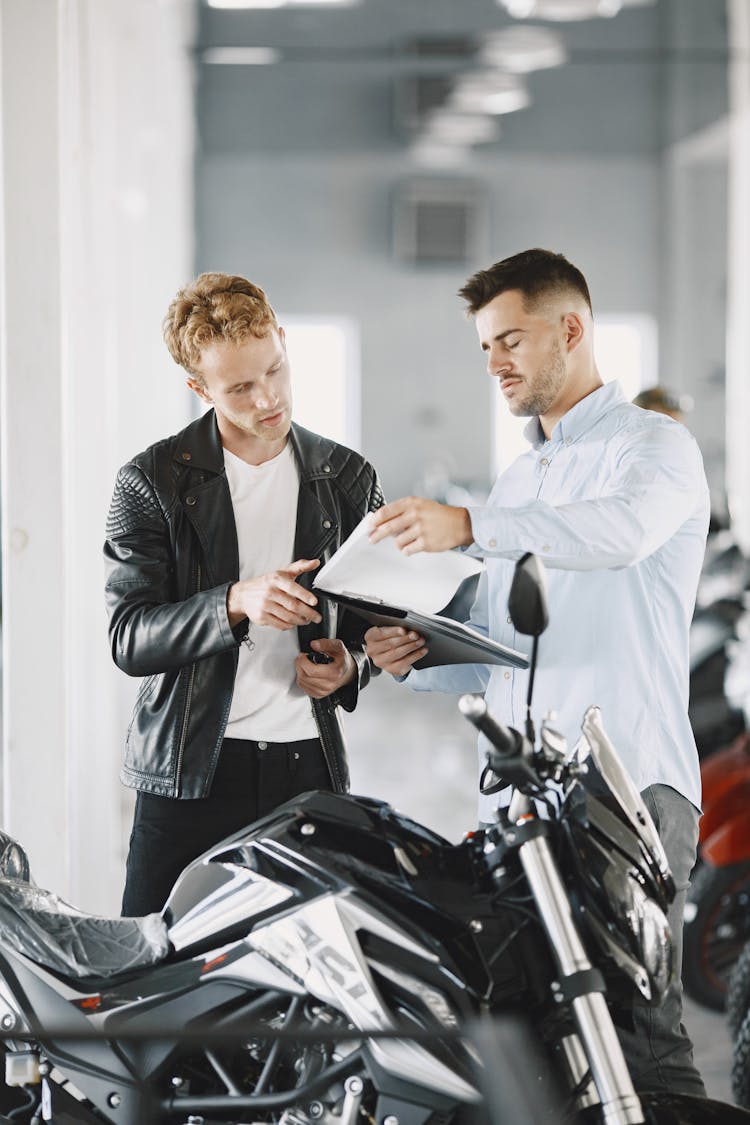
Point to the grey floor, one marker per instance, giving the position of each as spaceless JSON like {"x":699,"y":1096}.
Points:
{"x":418,"y":753}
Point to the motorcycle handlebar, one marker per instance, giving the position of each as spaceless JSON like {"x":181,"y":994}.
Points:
{"x":506,"y":740}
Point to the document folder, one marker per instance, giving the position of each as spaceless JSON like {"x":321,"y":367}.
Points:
{"x":449,"y":642}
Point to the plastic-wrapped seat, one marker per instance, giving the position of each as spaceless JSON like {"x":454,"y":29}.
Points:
{"x":55,"y":935}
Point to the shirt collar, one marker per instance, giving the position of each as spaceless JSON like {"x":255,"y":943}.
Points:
{"x":579,"y":418}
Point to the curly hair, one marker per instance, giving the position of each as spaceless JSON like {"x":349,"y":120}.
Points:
{"x":216,"y":306}
{"x":537,"y":274}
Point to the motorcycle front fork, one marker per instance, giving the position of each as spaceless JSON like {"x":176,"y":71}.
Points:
{"x":620,"y":1104}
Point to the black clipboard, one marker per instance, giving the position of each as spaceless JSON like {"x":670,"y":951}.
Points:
{"x":450,"y":642}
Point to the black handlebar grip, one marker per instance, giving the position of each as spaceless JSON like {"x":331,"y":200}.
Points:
{"x":503,"y":738}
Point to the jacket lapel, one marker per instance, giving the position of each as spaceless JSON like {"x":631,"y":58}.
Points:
{"x":205,"y":498}
{"x":317,"y":520}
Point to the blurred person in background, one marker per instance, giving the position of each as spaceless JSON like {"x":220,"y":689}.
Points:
{"x":664,"y":401}
{"x":614,"y":500}
{"x":213,"y":536}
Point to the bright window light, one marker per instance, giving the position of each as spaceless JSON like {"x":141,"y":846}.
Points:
{"x":324,"y":356}
{"x":625,"y":346}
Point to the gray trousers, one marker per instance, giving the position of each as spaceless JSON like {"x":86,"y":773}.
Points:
{"x":659,"y":1051}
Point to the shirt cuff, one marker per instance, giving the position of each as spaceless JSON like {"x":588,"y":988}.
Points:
{"x":491,"y":529}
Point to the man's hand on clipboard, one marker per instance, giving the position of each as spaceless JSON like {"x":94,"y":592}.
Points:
{"x":394,"y":649}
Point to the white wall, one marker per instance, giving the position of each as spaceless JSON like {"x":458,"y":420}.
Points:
{"x":96,"y":227}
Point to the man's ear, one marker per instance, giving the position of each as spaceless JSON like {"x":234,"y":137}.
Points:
{"x":574,"y":330}
{"x":282,"y":337}
{"x":199,"y":388}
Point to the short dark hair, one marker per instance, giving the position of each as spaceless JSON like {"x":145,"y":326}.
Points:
{"x":534,"y":273}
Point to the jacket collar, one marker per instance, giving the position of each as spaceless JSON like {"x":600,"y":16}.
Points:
{"x":199,"y":446}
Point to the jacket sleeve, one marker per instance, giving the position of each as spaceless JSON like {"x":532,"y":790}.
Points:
{"x":352,"y":629}
{"x":150,"y":631}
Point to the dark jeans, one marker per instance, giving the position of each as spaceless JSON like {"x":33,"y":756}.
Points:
{"x":252,"y":779}
{"x":659,"y":1051}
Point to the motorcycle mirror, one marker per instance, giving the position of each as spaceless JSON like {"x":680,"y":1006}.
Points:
{"x":527,"y":602}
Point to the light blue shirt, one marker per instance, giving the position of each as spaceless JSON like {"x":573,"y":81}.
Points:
{"x":616,"y":505}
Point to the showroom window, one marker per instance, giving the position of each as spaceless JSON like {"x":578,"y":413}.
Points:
{"x":626,"y":349}
{"x":324,"y":356}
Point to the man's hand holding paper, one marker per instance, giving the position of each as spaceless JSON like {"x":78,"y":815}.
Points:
{"x":417,"y":524}
{"x":402,"y":593}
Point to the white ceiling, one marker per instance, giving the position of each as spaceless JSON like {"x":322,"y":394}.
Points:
{"x":653,"y":74}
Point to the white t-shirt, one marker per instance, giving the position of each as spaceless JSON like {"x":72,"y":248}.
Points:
{"x":267,"y":704}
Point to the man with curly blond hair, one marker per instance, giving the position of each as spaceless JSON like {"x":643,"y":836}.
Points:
{"x":213,"y":539}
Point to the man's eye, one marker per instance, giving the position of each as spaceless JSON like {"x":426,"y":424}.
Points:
{"x":512,"y":346}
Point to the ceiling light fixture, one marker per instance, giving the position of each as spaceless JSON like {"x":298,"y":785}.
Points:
{"x":231,"y":5}
{"x":240,"y":56}
{"x":523,"y":49}
{"x":561,"y":9}
{"x":246,"y":5}
{"x":489,"y":92}
{"x":447,"y":126}
{"x":437,"y":154}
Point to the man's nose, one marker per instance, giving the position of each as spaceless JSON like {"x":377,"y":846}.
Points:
{"x":267,"y":398}
{"x":497,"y":363}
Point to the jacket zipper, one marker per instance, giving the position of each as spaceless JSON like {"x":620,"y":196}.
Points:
{"x":188,"y":698}
{"x":328,"y":751}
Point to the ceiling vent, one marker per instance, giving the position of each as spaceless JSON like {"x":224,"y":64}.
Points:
{"x":416,"y":96}
{"x":440,"y":221}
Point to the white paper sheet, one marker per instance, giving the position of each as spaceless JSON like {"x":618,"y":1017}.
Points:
{"x":425,"y":582}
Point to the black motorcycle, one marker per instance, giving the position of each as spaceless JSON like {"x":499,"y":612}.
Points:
{"x":326,"y":964}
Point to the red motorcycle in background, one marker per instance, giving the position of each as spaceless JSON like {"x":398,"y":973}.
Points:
{"x":717,"y":912}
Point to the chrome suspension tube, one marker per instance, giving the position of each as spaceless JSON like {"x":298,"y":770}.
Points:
{"x":619,"y":1101}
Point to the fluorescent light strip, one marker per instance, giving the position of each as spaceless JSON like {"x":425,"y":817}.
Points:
{"x":240,"y":56}
{"x":265,"y":5}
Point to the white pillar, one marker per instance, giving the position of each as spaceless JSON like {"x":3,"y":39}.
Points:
{"x":738,"y":278}
{"x":97,"y":202}
{"x":34,"y":578}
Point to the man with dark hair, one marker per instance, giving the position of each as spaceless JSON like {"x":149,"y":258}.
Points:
{"x":614,"y":500}
{"x":212,"y":539}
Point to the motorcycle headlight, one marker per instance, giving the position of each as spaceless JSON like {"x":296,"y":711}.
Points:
{"x":646,"y":924}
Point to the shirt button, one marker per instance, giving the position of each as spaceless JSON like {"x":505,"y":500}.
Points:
{"x":509,"y":620}
{"x":187,"y":456}
{"x":506,"y":675}
{"x":492,"y":543}
{"x":296,"y":756}
{"x":326,"y":468}
{"x":262,"y":745}
{"x":190,"y":501}
{"x":545,"y":547}
{"x":326,"y":524}
{"x":568,"y":440}
{"x":544,"y":461}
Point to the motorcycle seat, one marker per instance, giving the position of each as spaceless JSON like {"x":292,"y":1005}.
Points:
{"x":58,"y":937}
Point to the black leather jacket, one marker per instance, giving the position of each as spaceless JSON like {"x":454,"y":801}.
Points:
{"x":171,"y":554}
